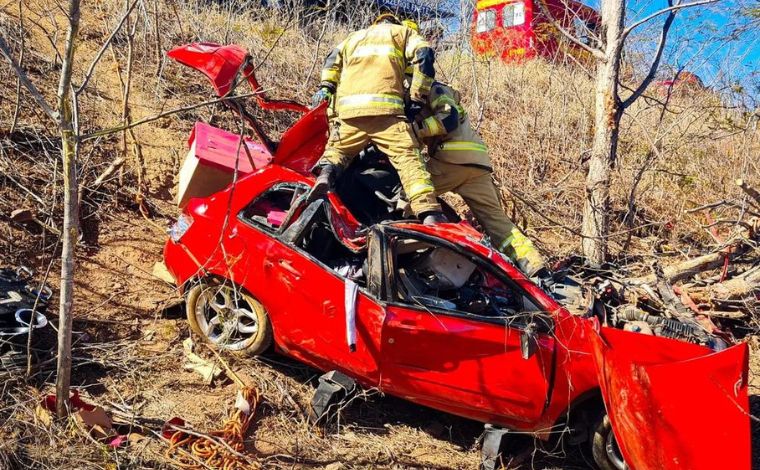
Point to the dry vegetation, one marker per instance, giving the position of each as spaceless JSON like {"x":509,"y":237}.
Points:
{"x":536,"y":118}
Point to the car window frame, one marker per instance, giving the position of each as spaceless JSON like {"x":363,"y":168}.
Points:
{"x":273,"y":187}
{"x":388,"y":295}
{"x":279,"y":235}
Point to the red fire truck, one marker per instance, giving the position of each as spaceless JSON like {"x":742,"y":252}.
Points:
{"x":519,"y":29}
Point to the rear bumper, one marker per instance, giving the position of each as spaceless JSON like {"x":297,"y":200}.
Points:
{"x":179,"y":263}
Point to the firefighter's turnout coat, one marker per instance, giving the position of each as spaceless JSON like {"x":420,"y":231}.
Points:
{"x":366,"y":71}
{"x":366,"y":74}
{"x":446,"y":130}
{"x":458,"y":161}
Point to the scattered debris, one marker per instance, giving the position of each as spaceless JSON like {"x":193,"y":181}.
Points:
{"x":22,"y":308}
{"x":495,"y":442}
{"x":159,"y":271}
{"x":334,"y":388}
{"x":207,"y":369}
{"x":95,"y":421}
{"x":25,"y":217}
{"x":219,"y":449}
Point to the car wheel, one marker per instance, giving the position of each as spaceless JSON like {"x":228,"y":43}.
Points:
{"x":230,"y":319}
{"x":604,"y":447}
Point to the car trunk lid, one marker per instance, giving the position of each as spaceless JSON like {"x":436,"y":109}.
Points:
{"x":301,"y":145}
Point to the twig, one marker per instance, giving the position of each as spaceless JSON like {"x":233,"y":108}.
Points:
{"x":130,"y":125}
{"x":103,"y":48}
{"x":22,"y":31}
{"x":24,"y":79}
{"x":749,"y":190}
{"x":669,"y":10}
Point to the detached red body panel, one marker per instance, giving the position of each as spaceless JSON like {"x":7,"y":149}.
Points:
{"x":223,"y":65}
{"x":674,"y":405}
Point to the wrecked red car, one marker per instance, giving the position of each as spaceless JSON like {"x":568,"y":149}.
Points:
{"x":434,"y":314}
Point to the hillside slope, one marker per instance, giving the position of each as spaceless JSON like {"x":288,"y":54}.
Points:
{"x":535,"y":117}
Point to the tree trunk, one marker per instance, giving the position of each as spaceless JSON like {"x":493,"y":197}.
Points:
{"x":595,"y":227}
{"x":70,"y":213}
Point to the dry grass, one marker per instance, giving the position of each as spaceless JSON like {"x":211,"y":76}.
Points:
{"x":536,"y":118}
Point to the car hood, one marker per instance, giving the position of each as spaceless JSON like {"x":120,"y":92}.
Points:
{"x":300,"y":146}
{"x":674,"y":405}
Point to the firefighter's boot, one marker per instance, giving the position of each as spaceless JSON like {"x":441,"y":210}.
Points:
{"x":325,"y":181}
{"x":432,"y":218}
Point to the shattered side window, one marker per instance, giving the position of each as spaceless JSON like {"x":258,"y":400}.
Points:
{"x":270,"y":209}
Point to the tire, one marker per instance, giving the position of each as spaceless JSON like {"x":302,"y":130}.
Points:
{"x":228,"y":318}
{"x":604,"y":447}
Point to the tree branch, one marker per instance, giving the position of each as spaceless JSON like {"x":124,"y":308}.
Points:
{"x":655,"y":63}
{"x":103,"y":48}
{"x":130,"y":125}
{"x":670,"y":9}
{"x":24,"y":79}
{"x":597,"y":53}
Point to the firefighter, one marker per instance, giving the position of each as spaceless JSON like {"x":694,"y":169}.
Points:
{"x":458,"y":161}
{"x":364,"y":78}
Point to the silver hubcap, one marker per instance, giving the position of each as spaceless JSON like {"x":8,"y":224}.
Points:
{"x":613,"y":452}
{"x":226,"y":318}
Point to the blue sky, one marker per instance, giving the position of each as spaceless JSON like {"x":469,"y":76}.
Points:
{"x":701,"y":41}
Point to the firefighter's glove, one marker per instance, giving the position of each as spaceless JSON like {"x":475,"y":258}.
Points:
{"x":325,"y":182}
{"x":413,"y":109}
{"x":322,"y":95}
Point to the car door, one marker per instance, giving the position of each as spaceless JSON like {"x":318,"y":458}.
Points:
{"x":306,"y":298}
{"x":465,"y":364}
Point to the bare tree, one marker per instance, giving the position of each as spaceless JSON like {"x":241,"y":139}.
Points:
{"x":69,"y":147}
{"x":64,"y":119}
{"x":610,"y":107}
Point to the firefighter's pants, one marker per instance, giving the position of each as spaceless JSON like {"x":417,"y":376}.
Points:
{"x":394,"y":137}
{"x":479,"y":192}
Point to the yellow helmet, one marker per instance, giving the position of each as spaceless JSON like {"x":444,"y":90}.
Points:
{"x":411,"y":24}
{"x":389,"y":17}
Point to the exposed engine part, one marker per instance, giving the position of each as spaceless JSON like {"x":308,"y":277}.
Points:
{"x":638,"y":327}
{"x":631,"y":317}
{"x":607,"y":293}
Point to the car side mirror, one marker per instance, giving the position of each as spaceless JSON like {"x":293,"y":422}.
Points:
{"x":528,"y":343}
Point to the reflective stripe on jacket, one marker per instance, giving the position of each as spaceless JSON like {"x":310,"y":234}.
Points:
{"x":366,"y":71}
{"x":447,"y":131}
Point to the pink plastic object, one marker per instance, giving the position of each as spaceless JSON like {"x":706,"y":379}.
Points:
{"x":217,"y":148}
{"x":276,"y":218}
{"x":119,"y":440}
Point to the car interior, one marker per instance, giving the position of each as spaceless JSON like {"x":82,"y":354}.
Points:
{"x":432,"y":276}
{"x":270,"y":210}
